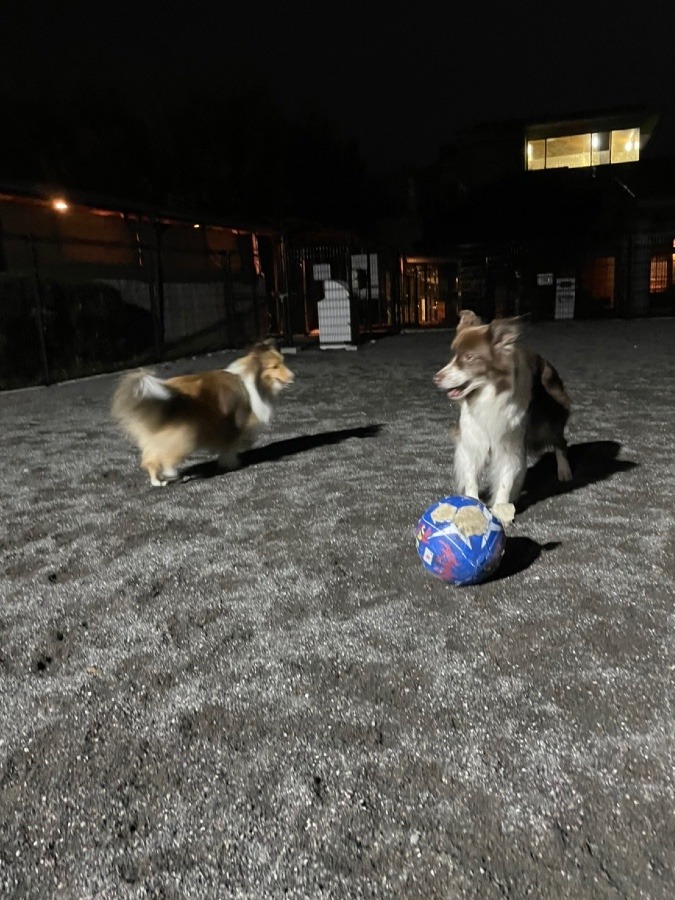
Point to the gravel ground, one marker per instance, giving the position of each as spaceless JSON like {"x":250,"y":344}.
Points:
{"x":247,"y":686}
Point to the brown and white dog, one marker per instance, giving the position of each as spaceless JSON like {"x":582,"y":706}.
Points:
{"x":219,"y":411}
{"x":512,"y":402}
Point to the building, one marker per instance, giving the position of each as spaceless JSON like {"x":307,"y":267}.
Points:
{"x":565,"y":217}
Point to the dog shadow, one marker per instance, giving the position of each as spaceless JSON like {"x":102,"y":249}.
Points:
{"x":590,"y":462}
{"x":279,"y":449}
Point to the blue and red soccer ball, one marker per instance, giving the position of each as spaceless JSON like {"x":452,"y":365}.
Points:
{"x":459,"y":540}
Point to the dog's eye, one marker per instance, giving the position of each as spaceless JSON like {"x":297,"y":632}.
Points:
{"x":468,"y":357}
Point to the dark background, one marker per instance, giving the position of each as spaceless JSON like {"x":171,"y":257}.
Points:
{"x":154,"y":97}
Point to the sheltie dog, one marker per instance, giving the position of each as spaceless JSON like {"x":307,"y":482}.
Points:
{"x":512,"y":402}
{"x":218,"y":411}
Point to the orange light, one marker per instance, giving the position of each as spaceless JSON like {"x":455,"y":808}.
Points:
{"x":60,"y":205}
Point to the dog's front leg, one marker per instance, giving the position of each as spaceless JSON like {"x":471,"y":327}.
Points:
{"x":471,"y":455}
{"x":228,"y":460}
{"x":508,"y":474}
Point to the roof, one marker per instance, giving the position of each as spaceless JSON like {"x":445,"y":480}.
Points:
{"x":580,"y":123}
{"x":555,"y":125}
{"x":45,"y":194}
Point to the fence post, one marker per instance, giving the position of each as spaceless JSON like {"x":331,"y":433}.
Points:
{"x":39,"y":312}
{"x":397,"y":289}
{"x":160,"y":284}
{"x":285,"y":296}
{"x":226,"y":269}
{"x":256,"y":313}
{"x":156,"y":292}
{"x":369,"y":293}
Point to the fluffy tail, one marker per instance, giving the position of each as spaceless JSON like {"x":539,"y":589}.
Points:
{"x":139,"y":393}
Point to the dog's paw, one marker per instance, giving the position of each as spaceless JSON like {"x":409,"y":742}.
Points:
{"x":564,"y":471}
{"x":505,"y":512}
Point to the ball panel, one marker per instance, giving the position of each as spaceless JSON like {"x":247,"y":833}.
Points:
{"x":459,"y":540}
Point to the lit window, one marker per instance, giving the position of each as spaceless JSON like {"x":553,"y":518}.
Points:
{"x":573,"y":151}
{"x":659,"y":280}
{"x":569,"y":152}
{"x":625,"y":145}
{"x":536,"y":155}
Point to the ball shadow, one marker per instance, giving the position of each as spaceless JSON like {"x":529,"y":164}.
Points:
{"x":519,"y":554}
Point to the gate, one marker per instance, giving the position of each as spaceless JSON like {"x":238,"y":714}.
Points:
{"x":371,"y":278}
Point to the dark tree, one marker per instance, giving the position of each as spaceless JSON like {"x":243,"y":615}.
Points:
{"x":230,"y":153}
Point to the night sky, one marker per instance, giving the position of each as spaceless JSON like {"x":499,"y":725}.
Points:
{"x":399,"y":79}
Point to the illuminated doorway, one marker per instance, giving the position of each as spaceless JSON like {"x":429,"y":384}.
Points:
{"x":598,"y":284}
{"x":429,"y":292}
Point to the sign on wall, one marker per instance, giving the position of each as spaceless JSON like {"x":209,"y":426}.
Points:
{"x":565,"y":290}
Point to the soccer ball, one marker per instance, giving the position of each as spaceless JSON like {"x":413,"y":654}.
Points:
{"x":459,"y":540}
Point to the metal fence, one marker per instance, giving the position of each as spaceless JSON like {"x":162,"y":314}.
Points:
{"x":72,"y":307}
{"x":625,"y":275}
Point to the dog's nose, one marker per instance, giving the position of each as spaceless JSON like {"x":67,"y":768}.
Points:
{"x":437,"y":378}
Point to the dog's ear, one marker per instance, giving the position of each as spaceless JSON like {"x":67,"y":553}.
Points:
{"x":468,"y":318}
{"x":261,"y":346}
{"x":505,"y":333}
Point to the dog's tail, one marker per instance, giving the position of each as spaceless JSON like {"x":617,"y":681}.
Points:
{"x":140,"y":395}
{"x":546,"y":377}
